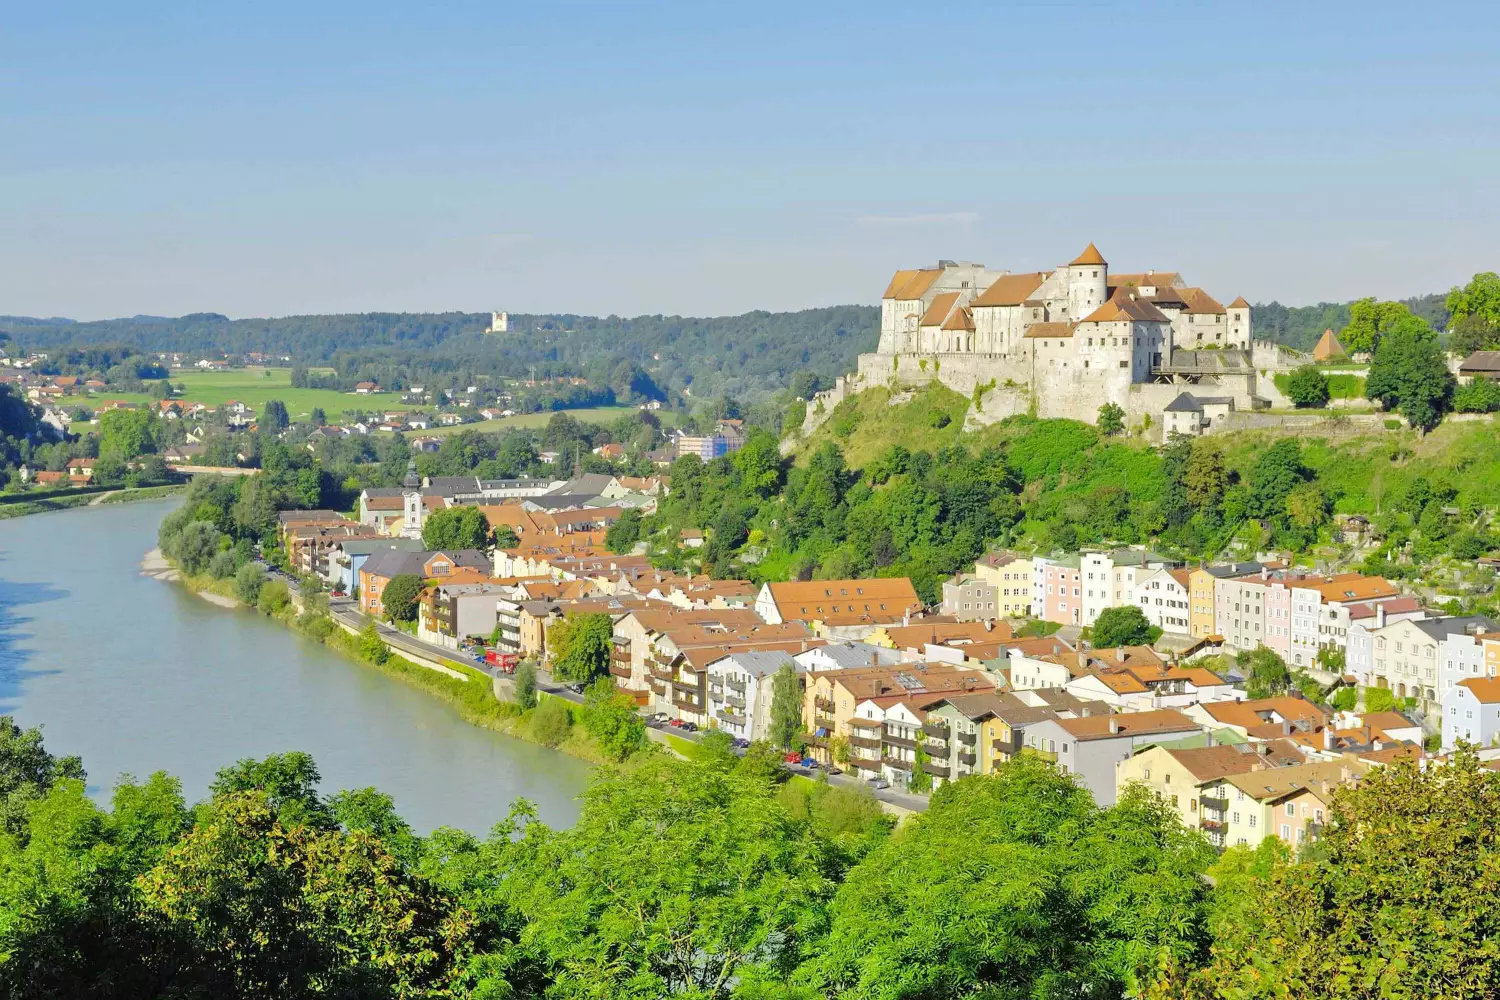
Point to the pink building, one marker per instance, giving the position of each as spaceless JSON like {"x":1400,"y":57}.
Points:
{"x":1278,"y":620}
{"x":1057,"y":590}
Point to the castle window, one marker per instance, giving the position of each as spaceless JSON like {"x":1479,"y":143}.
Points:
{"x":1093,"y":274}
{"x":1124,"y":364}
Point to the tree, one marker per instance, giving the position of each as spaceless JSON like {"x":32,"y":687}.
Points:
{"x":274,"y":597}
{"x":679,"y":878}
{"x":506,"y":538}
{"x":194,"y":546}
{"x":786,"y":707}
{"x":452,"y":528}
{"x":289,"y":782}
{"x":371,"y":646}
{"x":624,"y":533}
{"x":1397,"y":901}
{"x":317,"y":417}
{"x":1370,"y":321}
{"x":1378,"y":699}
{"x":1409,"y":374}
{"x":1276,"y":472}
{"x":1266,"y":674}
{"x":1479,"y":299}
{"x":28,"y":771}
{"x":1122,"y":626}
{"x":551,"y":721}
{"x":526,"y":685}
{"x":126,"y":434}
{"x":1482,"y":395}
{"x":1111,"y":419}
{"x":399,"y":598}
{"x":579,"y":647}
{"x":273,"y":416}
{"x":611,"y":719}
{"x":1307,"y":386}
{"x":1470,"y":334}
{"x":759,"y":463}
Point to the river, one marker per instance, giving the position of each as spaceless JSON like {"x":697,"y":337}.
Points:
{"x":136,"y":675}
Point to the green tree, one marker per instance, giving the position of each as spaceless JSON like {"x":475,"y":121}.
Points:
{"x":526,"y":685}
{"x":1370,"y":321}
{"x":399,"y":598}
{"x":759,"y":463}
{"x":452,"y":528}
{"x":624,"y":533}
{"x":1122,"y":626}
{"x":611,"y":719}
{"x":1308,"y":386}
{"x":680,"y":878}
{"x":317,"y":417}
{"x":1479,"y":299}
{"x":1204,"y":476}
{"x":1397,"y":901}
{"x":127,"y":433}
{"x":1409,"y":374}
{"x":551,"y":721}
{"x":579,"y":647}
{"x":28,"y":771}
{"x":371,"y":646}
{"x":1266,"y":674}
{"x":1470,"y":334}
{"x":506,"y":538}
{"x":1276,"y":472}
{"x":274,"y":597}
{"x":273,"y":416}
{"x":1378,"y":699}
{"x":194,"y":547}
{"x":786,"y":707}
{"x":289,"y":782}
{"x":1479,"y":396}
{"x":1111,"y":419}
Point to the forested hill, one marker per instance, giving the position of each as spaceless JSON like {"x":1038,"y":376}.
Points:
{"x":736,"y":355}
{"x":1301,"y":326}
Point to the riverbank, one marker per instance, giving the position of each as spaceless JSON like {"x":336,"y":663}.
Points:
{"x":467,"y":691}
{"x":21,"y":508}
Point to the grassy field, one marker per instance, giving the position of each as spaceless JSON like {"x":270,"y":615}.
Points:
{"x":254,"y":386}
{"x":593,"y":415}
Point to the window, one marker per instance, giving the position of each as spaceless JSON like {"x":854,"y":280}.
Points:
{"x":1291,"y":809}
{"x":1286,"y":833}
{"x":1252,"y":820}
{"x":1237,"y":819}
{"x":1124,"y":364}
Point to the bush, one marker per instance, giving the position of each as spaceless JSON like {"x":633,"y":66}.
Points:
{"x":526,"y":685}
{"x":399,"y":598}
{"x":194,"y":546}
{"x":274,"y":597}
{"x":1393,"y":425}
{"x":1344,"y":699}
{"x":247,"y":583}
{"x":1308,"y":387}
{"x":1379,"y":700}
{"x":611,"y":719}
{"x":222,"y":565}
{"x":315,"y":626}
{"x":371,"y":646}
{"x":1479,"y":396}
{"x":551,"y":721}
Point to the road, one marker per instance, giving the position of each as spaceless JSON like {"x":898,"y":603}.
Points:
{"x":347,"y":612}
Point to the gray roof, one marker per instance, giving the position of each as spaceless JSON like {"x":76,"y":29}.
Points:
{"x":559,"y":501}
{"x":1226,"y":570}
{"x":513,"y":484}
{"x":1481,"y":361}
{"x":591,"y":483}
{"x":393,"y":562}
{"x":848,"y":655}
{"x":1441,"y":628}
{"x":385,"y":491}
{"x":365,"y":546}
{"x":760,"y":663}
{"x":1184,"y":403}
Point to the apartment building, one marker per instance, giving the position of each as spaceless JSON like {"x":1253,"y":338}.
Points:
{"x":1092,"y":746}
{"x":1010,"y":575}
{"x":1146,"y":686}
{"x":832,"y":698}
{"x":840,"y":609}
{"x":1165,"y":598}
{"x":1110,"y":579}
{"x":970,"y":598}
{"x":1183,"y":777}
{"x":740,"y":690}
{"x":449,"y":613}
{"x":1464,"y":656}
{"x":1403,"y":656}
{"x":635,"y":631}
{"x":1057,"y":589}
{"x":1291,"y":802}
{"x":1261,"y":718}
{"x":1240,"y":610}
{"x":1471,"y":712}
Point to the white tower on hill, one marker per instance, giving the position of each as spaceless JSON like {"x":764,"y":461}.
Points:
{"x":499,"y":322}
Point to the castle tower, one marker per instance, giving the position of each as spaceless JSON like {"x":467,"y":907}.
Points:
{"x":1088,"y":283}
{"x":499,"y":322}
{"x":1240,"y":333}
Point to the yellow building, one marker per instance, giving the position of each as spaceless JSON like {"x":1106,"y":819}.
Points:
{"x":1287,"y":802}
{"x":1201,"y":602}
{"x":1010,"y":575}
{"x":1182,"y":776}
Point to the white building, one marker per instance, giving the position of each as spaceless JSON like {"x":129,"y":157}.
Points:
{"x":740,"y":691}
{"x":1403,"y":656}
{"x":1165,"y":599}
{"x":1471,"y":712}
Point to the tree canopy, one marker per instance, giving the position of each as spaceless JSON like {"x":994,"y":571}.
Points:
{"x":578,"y":647}
{"x":399,"y":597}
{"x":452,"y":528}
{"x":1123,"y":626}
{"x":1410,"y":374}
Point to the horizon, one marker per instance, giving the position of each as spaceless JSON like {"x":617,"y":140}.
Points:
{"x":592,"y":160}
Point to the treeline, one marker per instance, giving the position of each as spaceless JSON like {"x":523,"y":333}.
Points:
{"x":1300,"y":327}
{"x":714,"y":878}
{"x":645,"y":357}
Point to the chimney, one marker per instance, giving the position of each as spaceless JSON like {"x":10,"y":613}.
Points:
{"x":1380,"y":616}
{"x":1264,"y":573}
{"x":1379,"y":745}
{"x":1208,"y":736}
{"x":1286,"y":728}
{"x":1114,"y":724}
{"x":1119,"y":652}
{"x":1327,"y":737}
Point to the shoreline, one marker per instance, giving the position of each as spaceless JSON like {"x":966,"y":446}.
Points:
{"x":470,"y":693}
{"x":125,"y":494}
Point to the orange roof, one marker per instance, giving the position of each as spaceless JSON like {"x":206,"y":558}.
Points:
{"x":914,"y":636}
{"x":1050,"y":330}
{"x":898,"y":282}
{"x":915,"y":286}
{"x":1199,"y":301}
{"x":1239,"y":303}
{"x":1328,"y":346}
{"x":1090,"y":255}
{"x":1156,"y":279}
{"x":961,"y":318}
{"x":1124,"y":305}
{"x":938,"y":311}
{"x":1097,"y":727}
{"x":1486,"y":689}
{"x":1011,"y":289}
{"x":1264,"y":711}
{"x":1354,"y":587}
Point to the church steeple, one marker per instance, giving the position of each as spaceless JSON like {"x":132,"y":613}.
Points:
{"x":412,"y":480}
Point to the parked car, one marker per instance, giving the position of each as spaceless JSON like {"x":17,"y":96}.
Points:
{"x":659,"y":719}
{"x":741,"y":743}
{"x":677,"y":723}
{"x":835,"y":769}
{"x":792,"y":758}
{"x":809,"y":763}
{"x":691,"y":727}
{"x":880,"y":783}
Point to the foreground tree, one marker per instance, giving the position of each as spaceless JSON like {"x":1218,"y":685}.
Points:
{"x":1398,"y":901}
{"x":1410,"y":374}
{"x":399,"y":598}
{"x":786,"y":707}
{"x":1307,"y":386}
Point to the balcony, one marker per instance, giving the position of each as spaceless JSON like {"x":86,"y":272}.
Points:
{"x":937,"y":730}
{"x":967,"y":759}
{"x":864,"y":742}
{"x":731,"y":718}
{"x":736,"y":683}
{"x":900,"y":741}
{"x":938,"y":751}
{"x":823,"y":704}
{"x":735,"y":700}
{"x":967,"y":739}
{"x":936,"y":770}
{"x":1211,"y":825}
{"x":1208,"y":802}
{"x":686,"y":704}
{"x":618,"y":669}
{"x":865,"y":763}
{"x":897,"y":763}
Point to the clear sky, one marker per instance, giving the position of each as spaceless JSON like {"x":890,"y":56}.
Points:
{"x":712,"y":157}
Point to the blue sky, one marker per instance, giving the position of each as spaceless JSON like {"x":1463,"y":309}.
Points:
{"x":709,"y":157}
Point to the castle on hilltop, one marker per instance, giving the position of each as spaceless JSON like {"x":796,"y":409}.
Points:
{"x":1061,"y":343}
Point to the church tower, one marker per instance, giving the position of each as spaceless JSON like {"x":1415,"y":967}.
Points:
{"x":1088,"y":283}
